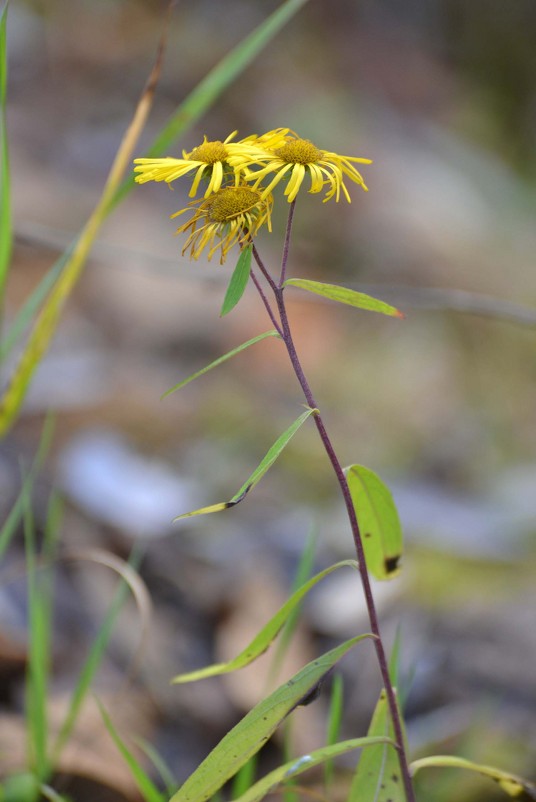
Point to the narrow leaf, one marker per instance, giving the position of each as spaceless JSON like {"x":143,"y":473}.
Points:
{"x":377,"y":778}
{"x":220,"y":361}
{"x":259,"y":471}
{"x":148,"y":790}
{"x":38,"y":652}
{"x":336,"y":708}
{"x":268,"y":633}
{"x":130,"y":580}
{"x":345,"y":296}
{"x":303,"y":574}
{"x":299,"y":765}
{"x":6,"y":233}
{"x":252,"y":732}
{"x":378,"y":521}
{"x":47,"y":321}
{"x":11,"y":523}
{"x":238,"y":282}
{"x":272,"y":455}
{"x":511,"y":784}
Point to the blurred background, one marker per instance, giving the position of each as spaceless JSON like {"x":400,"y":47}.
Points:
{"x":442,"y":97}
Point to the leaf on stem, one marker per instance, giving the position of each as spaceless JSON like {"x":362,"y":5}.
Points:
{"x":267,"y":635}
{"x":511,"y":784}
{"x":238,"y":282}
{"x":259,"y":471}
{"x":345,"y":296}
{"x":252,"y":732}
{"x":377,"y":777}
{"x":297,"y":766}
{"x":219,"y":361}
{"x":378,"y":521}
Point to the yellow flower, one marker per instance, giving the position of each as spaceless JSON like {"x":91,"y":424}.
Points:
{"x":298,"y":157}
{"x":229,"y":216}
{"x":209,"y":160}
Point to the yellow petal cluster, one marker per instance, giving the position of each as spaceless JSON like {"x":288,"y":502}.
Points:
{"x":230,"y":216}
{"x":236,"y":203}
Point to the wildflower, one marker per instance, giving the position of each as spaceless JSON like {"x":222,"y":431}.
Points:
{"x":298,"y":157}
{"x":209,"y":160}
{"x":229,"y":216}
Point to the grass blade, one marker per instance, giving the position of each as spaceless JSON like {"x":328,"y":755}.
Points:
{"x":304,"y":571}
{"x":11,"y":523}
{"x":38,"y":652}
{"x":31,"y":306}
{"x":268,"y":633}
{"x":6,"y":233}
{"x":336,"y":707}
{"x":96,"y":652}
{"x":252,"y":732}
{"x":148,"y":789}
{"x":220,"y":361}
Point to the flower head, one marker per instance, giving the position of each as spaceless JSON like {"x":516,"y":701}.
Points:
{"x":210,"y":160}
{"x":229,"y":216}
{"x":296,"y":158}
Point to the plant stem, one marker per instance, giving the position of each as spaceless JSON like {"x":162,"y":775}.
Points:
{"x":341,"y":478}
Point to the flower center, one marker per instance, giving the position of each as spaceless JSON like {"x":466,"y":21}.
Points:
{"x":231,"y":202}
{"x":209,"y":152}
{"x":299,"y":151}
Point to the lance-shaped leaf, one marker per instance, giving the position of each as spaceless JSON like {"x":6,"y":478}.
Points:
{"x":268,"y":633}
{"x":259,"y":471}
{"x":220,"y":361}
{"x":378,"y":521}
{"x":511,"y":784}
{"x":295,"y":767}
{"x":238,"y":282}
{"x":377,"y":778}
{"x":148,"y":789}
{"x":252,"y":732}
{"x":345,"y":296}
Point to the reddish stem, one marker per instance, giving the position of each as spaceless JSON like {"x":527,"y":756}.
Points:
{"x":341,"y":478}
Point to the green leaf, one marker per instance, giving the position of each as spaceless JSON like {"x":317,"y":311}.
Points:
{"x":31,"y":306}
{"x":147,"y":788}
{"x":378,"y":521}
{"x":266,"y":636}
{"x":299,"y":765}
{"x":39,"y":651}
{"x":345,"y":296}
{"x":6,"y":233}
{"x":377,"y":778}
{"x":98,"y":648}
{"x":252,"y":732}
{"x":220,"y":361}
{"x":336,"y":709}
{"x":303,"y":573}
{"x":238,"y":282}
{"x":511,"y":784}
{"x":258,"y":473}
{"x":11,"y":523}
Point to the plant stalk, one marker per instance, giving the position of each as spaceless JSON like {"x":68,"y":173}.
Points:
{"x":287,"y":337}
